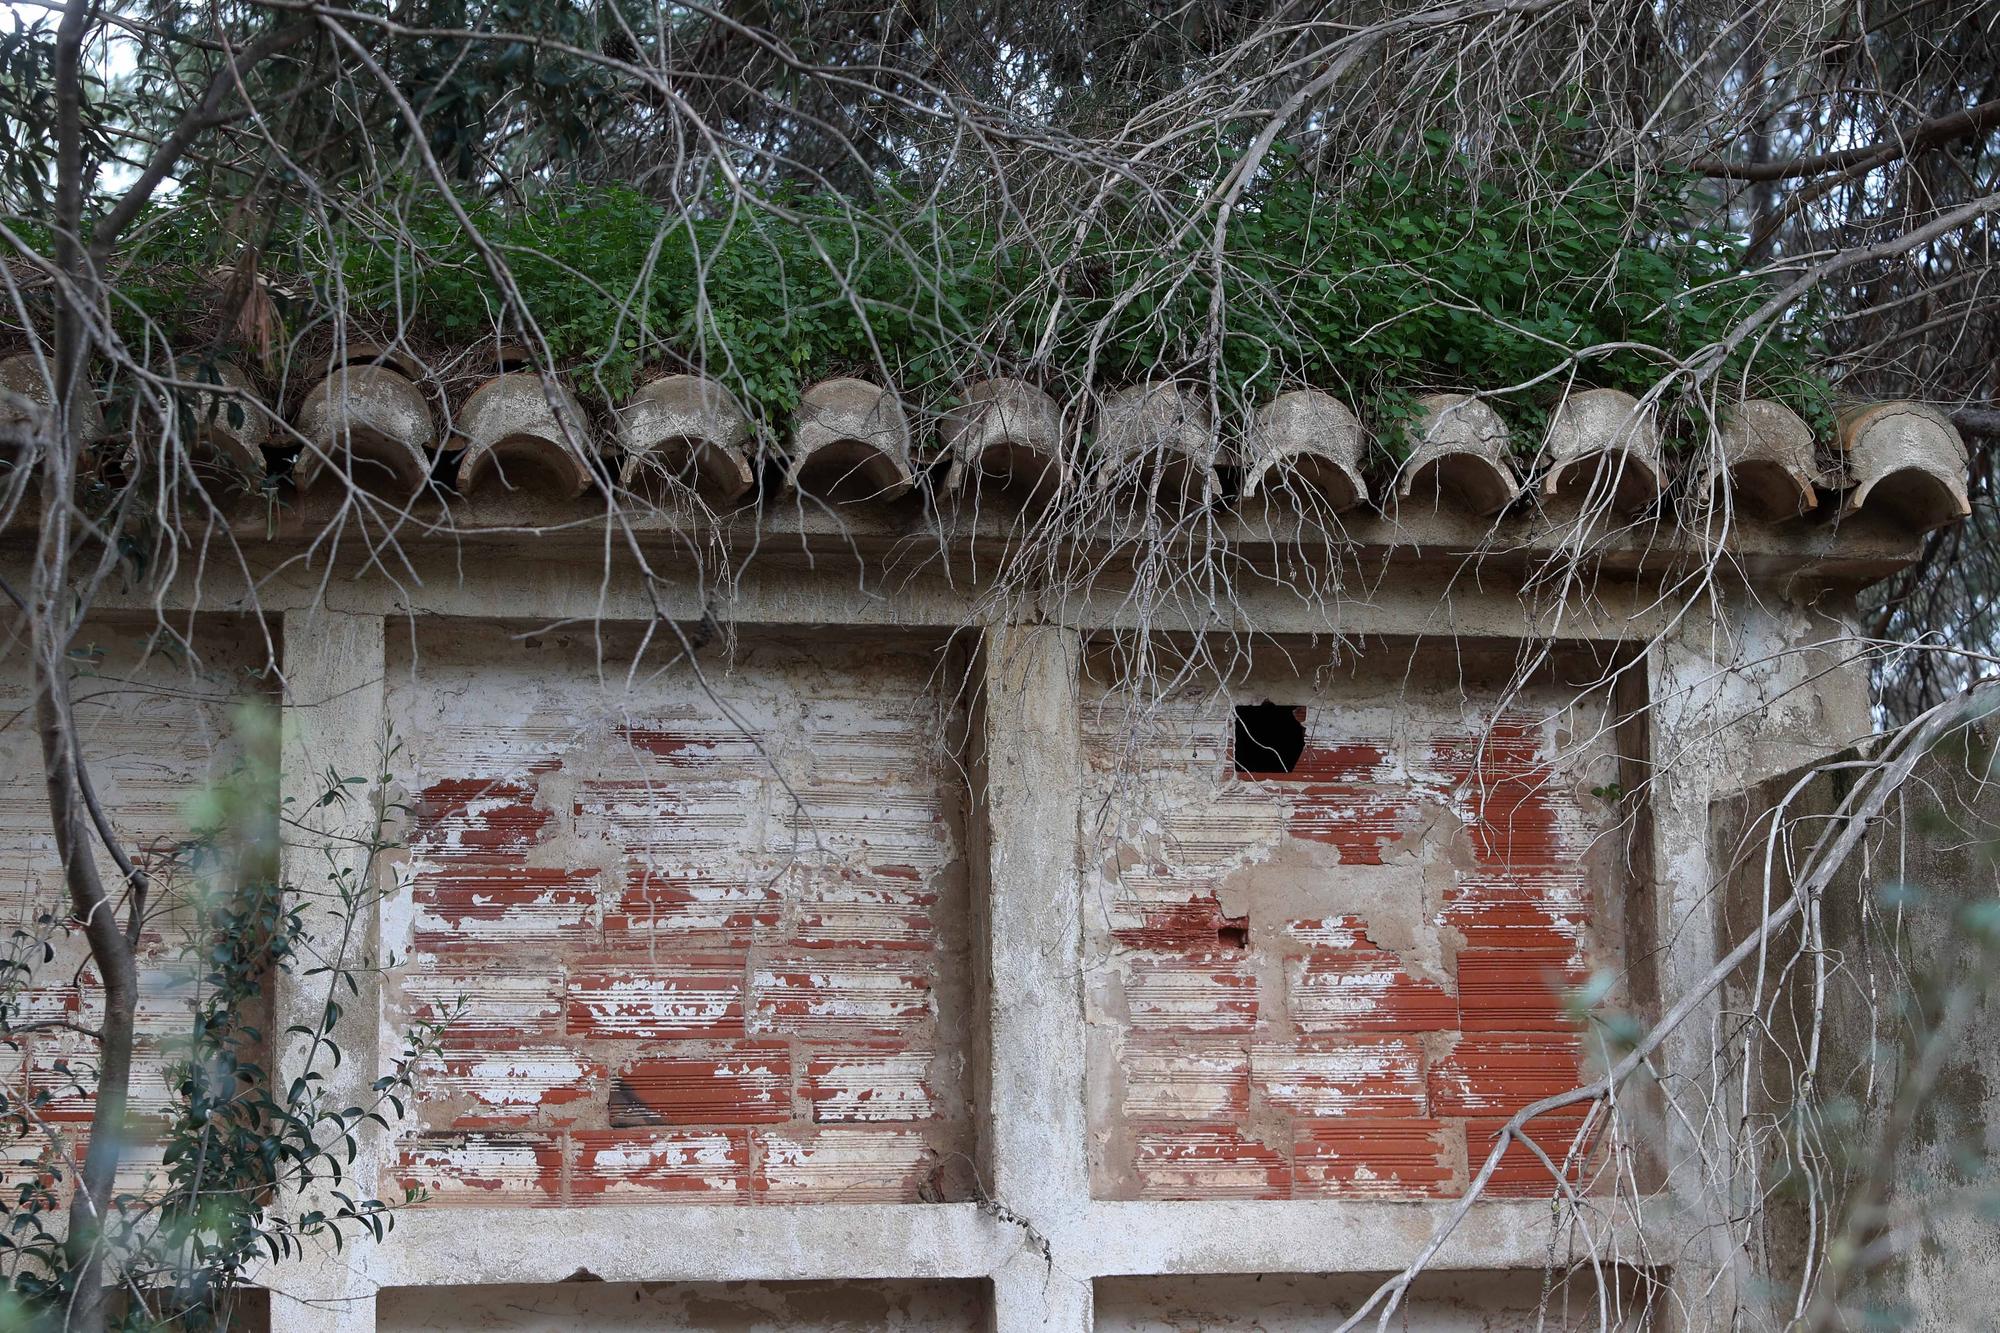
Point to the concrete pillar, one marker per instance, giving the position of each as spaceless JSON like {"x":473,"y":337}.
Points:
{"x":1028,"y":799}
{"x":334,"y":723}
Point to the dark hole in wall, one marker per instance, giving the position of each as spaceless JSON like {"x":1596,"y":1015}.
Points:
{"x":1270,"y":738}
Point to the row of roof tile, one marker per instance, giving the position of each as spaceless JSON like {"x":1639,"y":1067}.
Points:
{"x":852,"y":442}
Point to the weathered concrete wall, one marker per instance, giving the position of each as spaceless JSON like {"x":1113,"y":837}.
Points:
{"x":669,"y":935}
{"x":693,"y":938}
{"x":1443,"y":1302}
{"x":1846,"y":999}
{"x":158,"y":732}
{"x":1340,"y":980}
{"x":685,"y":1307}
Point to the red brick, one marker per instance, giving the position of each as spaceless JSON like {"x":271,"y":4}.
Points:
{"x":1372,"y":1077}
{"x":1519,"y":922}
{"x":746,"y":1083}
{"x":499,"y":996}
{"x":1206,"y":1162}
{"x":1187,"y":1085}
{"x":1362,"y":822}
{"x":1521,"y":1173}
{"x":469,"y":906}
{"x":503,"y":1083}
{"x":1497,"y":1074}
{"x":690,"y":910}
{"x":1371,"y":1158}
{"x":484,"y":1169}
{"x":842,"y":1166}
{"x":1207,"y":994}
{"x":865,"y":911}
{"x":694,"y":996}
{"x":1349,"y":761}
{"x":1364,"y":990}
{"x":679,"y":744}
{"x":670,"y":825}
{"x":706,"y":1165}
{"x":839,"y":999}
{"x":471,"y":815}
{"x":1186,"y":925}
{"x":871,"y":1084}
{"x":1516,"y":990}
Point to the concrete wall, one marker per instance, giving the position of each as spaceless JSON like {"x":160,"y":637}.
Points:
{"x":675,"y":1307}
{"x":1297,"y":1303}
{"x":944,"y":917}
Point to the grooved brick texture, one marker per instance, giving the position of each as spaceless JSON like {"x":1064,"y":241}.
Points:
{"x":155,"y":731}
{"x":676,"y":963}
{"x":1340,"y":981}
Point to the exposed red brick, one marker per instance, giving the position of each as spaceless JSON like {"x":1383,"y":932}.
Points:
{"x":745,"y":1083}
{"x":1364,"y":990}
{"x":842,"y":1166}
{"x":874,"y":1083}
{"x":1361,"y":821}
{"x":1489,"y":1074}
{"x":666,"y":743}
{"x":1521,"y":1173}
{"x":691,"y":910}
{"x":1190,"y":925}
{"x":1342,"y":761}
{"x":506,"y":997}
{"x":1371,"y":1158}
{"x":694,"y":996}
{"x":839,"y":999}
{"x":1206,"y":1162}
{"x":470,"y":815}
{"x":485,"y":1169}
{"x":1504,"y":990}
{"x":710,"y":1165}
{"x":866,"y":911}
{"x":1187,"y":1084}
{"x":473,"y":905}
{"x":504,"y":1083}
{"x":1516,"y":924}
{"x":1371,"y":1077}
{"x":1207,"y":994}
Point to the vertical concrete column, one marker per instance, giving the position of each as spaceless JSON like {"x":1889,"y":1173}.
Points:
{"x":1684,"y":719}
{"x":1739,"y":694}
{"x":1029,"y":799}
{"x":334,"y":724}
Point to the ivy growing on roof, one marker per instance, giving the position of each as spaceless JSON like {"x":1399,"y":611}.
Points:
{"x":1538,"y":280}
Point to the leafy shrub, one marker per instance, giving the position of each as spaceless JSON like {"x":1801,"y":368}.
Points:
{"x":1536,"y":280}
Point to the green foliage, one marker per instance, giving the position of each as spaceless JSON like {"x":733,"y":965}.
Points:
{"x":1536,"y":280}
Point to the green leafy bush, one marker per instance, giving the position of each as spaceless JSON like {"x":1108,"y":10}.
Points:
{"x":1534,"y":280}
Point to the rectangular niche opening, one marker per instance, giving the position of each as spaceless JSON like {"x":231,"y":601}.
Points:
{"x":1498,"y":1301}
{"x":685,"y":1307}
{"x":700,"y":935}
{"x":1338,"y":908}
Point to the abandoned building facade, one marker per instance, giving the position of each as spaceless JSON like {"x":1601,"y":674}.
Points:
{"x":864,"y":946}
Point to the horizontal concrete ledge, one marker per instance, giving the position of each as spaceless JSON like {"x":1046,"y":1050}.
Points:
{"x":1862,"y":547}
{"x":463,"y":1246}
{"x":1325,"y":1236}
